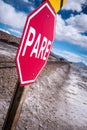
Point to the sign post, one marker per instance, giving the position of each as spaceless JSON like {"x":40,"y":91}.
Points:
{"x":15,"y":107}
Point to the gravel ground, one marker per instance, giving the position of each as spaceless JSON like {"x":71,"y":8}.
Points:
{"x":56,"y":101}
{"x":8,"y":79}
{"x":45,"y":82}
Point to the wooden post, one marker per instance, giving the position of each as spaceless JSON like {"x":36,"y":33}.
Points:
{"x":15,"y":107}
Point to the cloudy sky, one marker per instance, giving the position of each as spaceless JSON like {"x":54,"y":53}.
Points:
{"x":71,"y":25}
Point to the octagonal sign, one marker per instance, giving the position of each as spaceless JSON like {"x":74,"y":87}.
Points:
{"x":35,"y":44}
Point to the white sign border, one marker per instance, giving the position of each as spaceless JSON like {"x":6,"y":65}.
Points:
{"x":18,"y":63}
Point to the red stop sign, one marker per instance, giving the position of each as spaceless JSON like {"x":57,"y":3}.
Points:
{"x":36,"y":43}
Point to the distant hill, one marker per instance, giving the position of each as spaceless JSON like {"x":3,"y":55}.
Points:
{"x":81,"y":64}
{"x":8,"y":38}
{"x":58,"y":57}
{"x":13,"y":40}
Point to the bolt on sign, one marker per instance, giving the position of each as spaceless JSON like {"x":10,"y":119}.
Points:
{"x":36,"y":43}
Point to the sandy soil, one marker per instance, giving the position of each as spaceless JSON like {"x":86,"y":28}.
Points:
{"x":8,"y":79}
{"x":56,"y":101}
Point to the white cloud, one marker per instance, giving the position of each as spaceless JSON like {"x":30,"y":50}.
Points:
{"x":74,"y":5}
{"x":26,"y":1}
{"x":71,"y":56}
{"x":31,"y":3}
{"x":31,"y":8}
{"x":4,"y":30}
{"x":15,"y":31}
{"x":69,"y":33}
{"x":9,"y":16}
{"x":79,"y":22}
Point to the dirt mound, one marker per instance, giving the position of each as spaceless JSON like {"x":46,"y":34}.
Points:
{"x":7,"y":38}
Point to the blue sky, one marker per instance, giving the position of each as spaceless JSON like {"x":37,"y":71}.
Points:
{"x":71,"y":25}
